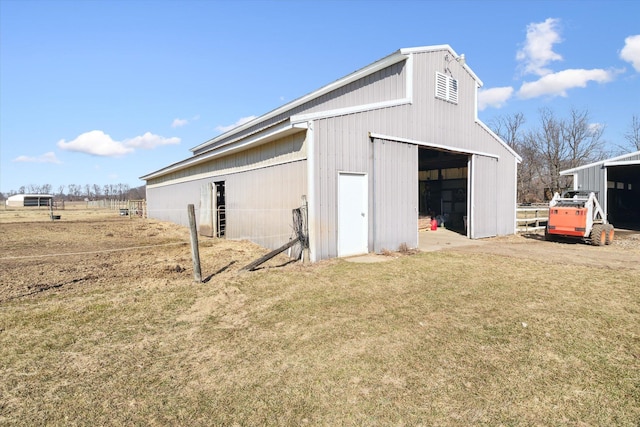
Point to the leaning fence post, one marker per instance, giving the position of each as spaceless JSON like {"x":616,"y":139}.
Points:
{"x":195,"y":253}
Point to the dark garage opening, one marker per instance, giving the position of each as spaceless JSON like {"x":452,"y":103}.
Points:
{"x":623,"y":196}
{"x":442,"y":188}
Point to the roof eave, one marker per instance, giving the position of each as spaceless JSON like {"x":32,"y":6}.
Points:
{"x":601,"y":162}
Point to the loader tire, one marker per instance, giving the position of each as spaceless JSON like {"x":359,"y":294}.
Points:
{"x":598,"y":235}
{"x":548,"y":236}
{"x":610,"y":233}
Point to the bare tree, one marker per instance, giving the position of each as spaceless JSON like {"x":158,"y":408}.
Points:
{"x":633,"y":135}
{"x":549,"y":148}
{"x":584,"y":140}
{"x":510,"y":129}
{"x":61,"y":190}
{"x":96,"y":191}
{"x":564,"y":144}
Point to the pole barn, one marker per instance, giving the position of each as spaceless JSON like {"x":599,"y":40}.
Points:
{"x":617,"y":184}
{"x":370,"y":154}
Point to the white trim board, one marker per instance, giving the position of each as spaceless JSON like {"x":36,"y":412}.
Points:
{"x":432,"y":145}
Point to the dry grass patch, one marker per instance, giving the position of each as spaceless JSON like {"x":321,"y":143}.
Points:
{"x":440,"y":338}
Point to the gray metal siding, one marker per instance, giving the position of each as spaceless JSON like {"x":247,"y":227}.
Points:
{"x":286,"y":149}
{"x":592,"y":179}
{"x":484,"y":196}
{"x":259,"y":202}
{"x":394,"y":190}
{"x":342,"y":144}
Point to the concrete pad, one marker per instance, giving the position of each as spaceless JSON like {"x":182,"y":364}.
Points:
{"x":428,"y":241}
{"x":442,"y":238}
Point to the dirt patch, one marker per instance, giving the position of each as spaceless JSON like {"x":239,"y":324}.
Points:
{"x":623,"y":253}
{"x":100,"y":247}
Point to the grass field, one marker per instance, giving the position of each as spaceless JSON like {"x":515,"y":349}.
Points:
{"x":108,"y":336}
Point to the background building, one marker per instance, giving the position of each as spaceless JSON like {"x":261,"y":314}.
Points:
{"x":617,"y":182}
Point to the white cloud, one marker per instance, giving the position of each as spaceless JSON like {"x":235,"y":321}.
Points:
{"x":495,"y":97}
{"x":631,"y":51}
{"x":240,"y":122}
{"x":596,"y":127}
{"x":98,"y":143}
{"x":179,"y":123}
{"x":183,"y":122}
{"x":557,"y":84}
{"x":49,"y":157}
{"x":149,"y":141}
{"x":538,"y":52}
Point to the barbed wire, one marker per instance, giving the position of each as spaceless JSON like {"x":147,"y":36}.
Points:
{"x":93,"y":252}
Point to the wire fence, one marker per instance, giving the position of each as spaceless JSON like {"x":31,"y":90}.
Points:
{"x":130,"y":208}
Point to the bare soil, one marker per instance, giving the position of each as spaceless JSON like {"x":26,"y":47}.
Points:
{"x":101,"y":247}
{"x":623,"y":253}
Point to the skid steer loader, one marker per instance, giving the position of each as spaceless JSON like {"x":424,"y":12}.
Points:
{"x":577,"y":214}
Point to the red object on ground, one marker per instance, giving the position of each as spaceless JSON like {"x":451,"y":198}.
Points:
{"x":434,"y":224}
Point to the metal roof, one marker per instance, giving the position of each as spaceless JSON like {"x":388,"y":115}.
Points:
{"x":613,"y":161}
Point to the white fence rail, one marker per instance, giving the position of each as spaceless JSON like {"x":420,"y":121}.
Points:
{"x":531,"y":217}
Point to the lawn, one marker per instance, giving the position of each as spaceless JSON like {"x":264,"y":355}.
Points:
{"x":438,"y":338}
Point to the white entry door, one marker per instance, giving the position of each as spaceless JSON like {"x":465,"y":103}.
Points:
{"x":353,"y":217}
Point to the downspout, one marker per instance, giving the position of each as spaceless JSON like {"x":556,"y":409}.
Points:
{"x":311,"y":192}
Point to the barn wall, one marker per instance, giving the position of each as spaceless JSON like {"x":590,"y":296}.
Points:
{"x":259,"y":199}
{"x":591,"y":179}
{"x":342,"y":144}
{"x":394,"y":190}
{"x":287,"y":149}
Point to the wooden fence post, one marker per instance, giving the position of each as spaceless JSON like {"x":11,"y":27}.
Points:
{"x":195,"y":253}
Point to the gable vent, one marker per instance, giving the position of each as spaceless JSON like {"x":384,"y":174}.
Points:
{"x":446,"y":88}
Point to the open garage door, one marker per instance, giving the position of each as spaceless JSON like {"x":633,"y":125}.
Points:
{"x":623,"y":195}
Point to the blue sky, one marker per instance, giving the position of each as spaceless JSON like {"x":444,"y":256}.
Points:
{"x":103,"y":92}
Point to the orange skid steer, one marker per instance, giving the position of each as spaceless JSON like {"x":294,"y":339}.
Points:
{"x":577,"y":214}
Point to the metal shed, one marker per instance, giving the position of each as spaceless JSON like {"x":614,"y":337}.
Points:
{"x":369,"y":154}
{"x":29,"y":200}
{"x":617,"y":182}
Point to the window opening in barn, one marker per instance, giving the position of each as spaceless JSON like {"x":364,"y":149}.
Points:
{"x":221,"y":214}
{"x":446,"y":88}
{"x":442,"y":188}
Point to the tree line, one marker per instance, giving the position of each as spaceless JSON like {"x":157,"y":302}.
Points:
{"x":556,"y":144}
{"x":74,"y":192}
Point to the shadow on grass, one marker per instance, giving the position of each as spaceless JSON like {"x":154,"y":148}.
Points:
{"x":222,"y":270}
